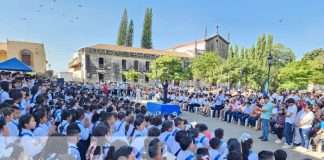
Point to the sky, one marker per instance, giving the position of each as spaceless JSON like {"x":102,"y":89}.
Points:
{"x":65,"y":26}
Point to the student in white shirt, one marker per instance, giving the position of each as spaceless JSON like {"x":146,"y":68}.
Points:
{"x":247,"y":144}
{"x":137,"y":136}
{"x":219,"y":133}
{"x":85,"y":131}
{"x":66,"y":120}
{"x":167,"y":136}
{"x":4,"y":134}
{"x":4,"y":91}
{"x":32,"y":146}
{"x":188,"y":149}
{"x":202,"y":138}
{"x":215,"y":144}
{"x":73,"y":136}
{"x":13,"y":125}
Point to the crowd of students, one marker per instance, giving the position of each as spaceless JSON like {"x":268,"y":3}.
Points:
{"x":44,"y":119}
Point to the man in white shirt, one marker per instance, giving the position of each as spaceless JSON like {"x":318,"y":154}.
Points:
{"x":290,"y":122}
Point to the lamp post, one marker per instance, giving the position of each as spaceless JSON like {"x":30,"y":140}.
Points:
{"x":270,"y":58}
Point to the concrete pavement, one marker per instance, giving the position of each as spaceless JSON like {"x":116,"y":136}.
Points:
{"x":235,"y":131}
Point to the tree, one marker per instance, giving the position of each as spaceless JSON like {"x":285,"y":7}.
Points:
{"x":132,"y":75}
{"x":121,"y":41}
{"x":168,"y":68}
{"x":313,"y":54}
{"x":147,"y":29}
{"x":315,"y":60}
{"x":294,"y":76}
{"x":130,"y":32}
{"x":206,"y":67}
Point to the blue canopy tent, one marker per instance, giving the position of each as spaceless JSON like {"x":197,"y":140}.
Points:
{"x":14,"y":64}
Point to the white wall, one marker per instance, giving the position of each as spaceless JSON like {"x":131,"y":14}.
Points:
{"x":66,"y":75}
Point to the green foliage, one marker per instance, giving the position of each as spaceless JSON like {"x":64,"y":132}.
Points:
{"x":121,"y":41}
{"x":132,"y":75}
{"x":147,"y":29}
{"x":207,"y":67}
{"x":169,"y":68}
{"x":130,"y":34}
{"x":295,"y":75}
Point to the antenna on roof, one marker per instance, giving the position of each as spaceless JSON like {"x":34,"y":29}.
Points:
{"x":217,"y":27}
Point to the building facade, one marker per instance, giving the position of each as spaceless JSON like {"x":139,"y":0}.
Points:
{"x":32,"y":54}
{"x":104,"y":62}
{"x":216,"y":44}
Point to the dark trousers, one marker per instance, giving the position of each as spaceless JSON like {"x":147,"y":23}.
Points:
{"x":217,"y":109}
{"x":236,"y":116}
{"x":229,"y":114}
{"x":279,"y":132}
{"x":243,"y":117}
{"x":192,"y":107}
{"x":83,"y":147}
{"x":272,"y":124}
{"x":252,"y":120}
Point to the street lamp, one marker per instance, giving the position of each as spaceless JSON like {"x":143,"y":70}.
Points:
{"x":270,"y":58}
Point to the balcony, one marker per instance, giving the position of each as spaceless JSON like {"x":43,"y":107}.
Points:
{"x":75,"y":63}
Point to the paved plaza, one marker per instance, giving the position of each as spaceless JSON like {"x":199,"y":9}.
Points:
{"x":235,"y":131}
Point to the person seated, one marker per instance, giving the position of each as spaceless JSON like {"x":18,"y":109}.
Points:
{"x":246,"y":113}
{"x":254,"y":117}
{"x":215,"y":145}
{"x":188,"y":148}
{"x":227,"y":107}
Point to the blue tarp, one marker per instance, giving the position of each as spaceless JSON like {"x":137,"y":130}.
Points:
{"x":160,"y":108}
{"x":14,"y":64}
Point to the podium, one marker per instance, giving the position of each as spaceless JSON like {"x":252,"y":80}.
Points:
{"x":160,"y":108}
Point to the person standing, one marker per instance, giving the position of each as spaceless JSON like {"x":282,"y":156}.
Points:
{"x":265,"y":117}
{"x":219,"y":105}
{"x":290,"y":122}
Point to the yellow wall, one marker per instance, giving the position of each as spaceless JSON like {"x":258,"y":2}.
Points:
{"x":38,"y":57}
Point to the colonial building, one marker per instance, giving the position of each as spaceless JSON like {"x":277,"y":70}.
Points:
{"x":32,"y":54}
{"x":216,"y":44}
{"x":103,"y":62}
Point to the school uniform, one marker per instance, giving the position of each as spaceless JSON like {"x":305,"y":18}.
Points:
{"x":223,"y":149}
{"x":120,"y":135}
{"x":83,"y":143}
{"x":120,"y":125}
{"x":138,"y":145}
{"x":57,"y":115}
{"x":13,"y":128}
{"x":252,"y":155}
{"x":137,"y":134}
{"x":197,"y":143}
{"x":130,"y":130}
{"x":175,"y":130}
{"x":28,"y":141}
{"x":214,"y":154}
{"x":73,"y":150}
{"x":41,"y":130}
{"x":186,"y":155}
{"x":62,"y":127}
{"x":167,"y":138}
{"x":175,"y":149}
{"x":203,"y":139}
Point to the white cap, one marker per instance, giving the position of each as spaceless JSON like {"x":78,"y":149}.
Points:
{"x":245,"y":136}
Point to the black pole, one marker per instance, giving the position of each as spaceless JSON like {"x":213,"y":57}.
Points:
{"x":165,"y":91}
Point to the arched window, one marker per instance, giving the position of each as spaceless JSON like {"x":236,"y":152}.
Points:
{"x":26,"y":57}
{"x":101,"y":62}
{"x":147,"y":66}
{"x":123,"y":64}
{"x":136,"y":65}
